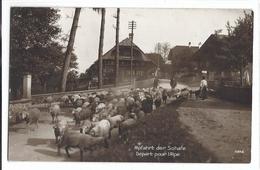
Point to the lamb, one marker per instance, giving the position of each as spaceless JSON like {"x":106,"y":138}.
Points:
{"x":54,"y":110}
{"x":31,"y":116}
{"x":82,"y":141}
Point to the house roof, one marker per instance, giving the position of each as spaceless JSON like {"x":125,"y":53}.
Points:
{"x":126,"y":44}
{"x":154,"y":58}
{"x":212,"y":47}
{"x":182,"y":51}
{"x":213,"y":52}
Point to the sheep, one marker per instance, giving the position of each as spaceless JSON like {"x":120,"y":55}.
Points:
{"x":31,"y":116}
{"x":65,"y":100}
{"x":140,"y":114}
{"x":85,"y":104}
{"x":85,"y":113}
{"x":115,"y":120}
{"x":76,"y":114}
{"x":130,"y":101}
{"x":147,"y":104}
{"x":101,"y":128}
{"x":100,"y":107}
{"x":184,"y":93}
{"x":54,"y":111}
{"x":49,"y":99}
{"x":125,"y":126}
{"x":82,"y":141}
{"x":157,"y":101}
{"x":164,"y":95}
{"x":86,"y":126}
{"x":59,"y":129}
{"x":76,"y":100}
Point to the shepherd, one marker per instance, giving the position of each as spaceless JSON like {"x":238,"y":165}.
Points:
{"x":203,"y":88}
{"x":173,"y":82}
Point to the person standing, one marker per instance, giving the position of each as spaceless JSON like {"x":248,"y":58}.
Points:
{"x":203,"y":88}
{"x":173,"y":82}
{"x":155,"y":82}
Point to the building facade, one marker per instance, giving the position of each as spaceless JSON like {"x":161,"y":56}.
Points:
{"x":142,"y":66}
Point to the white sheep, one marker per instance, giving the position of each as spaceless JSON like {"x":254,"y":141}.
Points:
{"x":65,"y":99}
{"x":101,"y":128}
{"x":31,"y":116}
{"x":115,"y":121}
{"x":54,"y":111}
{"x":100,"y":107}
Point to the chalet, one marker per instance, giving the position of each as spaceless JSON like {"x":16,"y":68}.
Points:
{"x":155,"y":58}
{"x":180,"y":57}
{"x":165,"y":68}
{"x":212,"y":58}
{"x":143,"y":67}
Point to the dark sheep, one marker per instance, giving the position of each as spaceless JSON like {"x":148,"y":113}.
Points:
{"x":125,"y":126}
{"x":164,"y":96}
{"x":82,"y":141}
{"x":147,"y":104}
{"x":158,"y":102}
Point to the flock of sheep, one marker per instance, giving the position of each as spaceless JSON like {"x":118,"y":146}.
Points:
{"x":96,"y":114}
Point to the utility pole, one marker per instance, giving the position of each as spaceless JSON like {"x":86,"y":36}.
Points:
{"x":117,"y":48}
{"x":132,"y":26}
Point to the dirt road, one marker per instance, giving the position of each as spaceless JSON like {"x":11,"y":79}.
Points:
{"x":222,"y":127}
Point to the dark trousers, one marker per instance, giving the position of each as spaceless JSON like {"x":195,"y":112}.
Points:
{"x":203,"y":93}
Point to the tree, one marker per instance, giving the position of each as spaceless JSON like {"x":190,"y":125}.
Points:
{"x":101,"y":44}
{"x":240,"y":43}
{"x":163,"y":49}
{"x":69,"y":49}
{"x":32,"y":35}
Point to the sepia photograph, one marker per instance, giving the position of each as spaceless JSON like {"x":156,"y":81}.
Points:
{"x":130,"y":85}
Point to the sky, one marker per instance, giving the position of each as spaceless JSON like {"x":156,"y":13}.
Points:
{"x":175,"y":26}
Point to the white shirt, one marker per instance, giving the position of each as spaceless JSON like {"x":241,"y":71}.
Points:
{"x":203,"y":83}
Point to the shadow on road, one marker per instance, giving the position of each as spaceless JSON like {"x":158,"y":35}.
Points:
{"x":42,"y":141}
{"x":47,"y":152}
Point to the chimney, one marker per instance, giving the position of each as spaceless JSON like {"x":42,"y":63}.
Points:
{"x":189,"y":44}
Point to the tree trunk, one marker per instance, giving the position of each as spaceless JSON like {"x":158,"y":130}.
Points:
{"x":100,"y":49}
{"x":117,"y":48}
{"x":69,"y":49}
